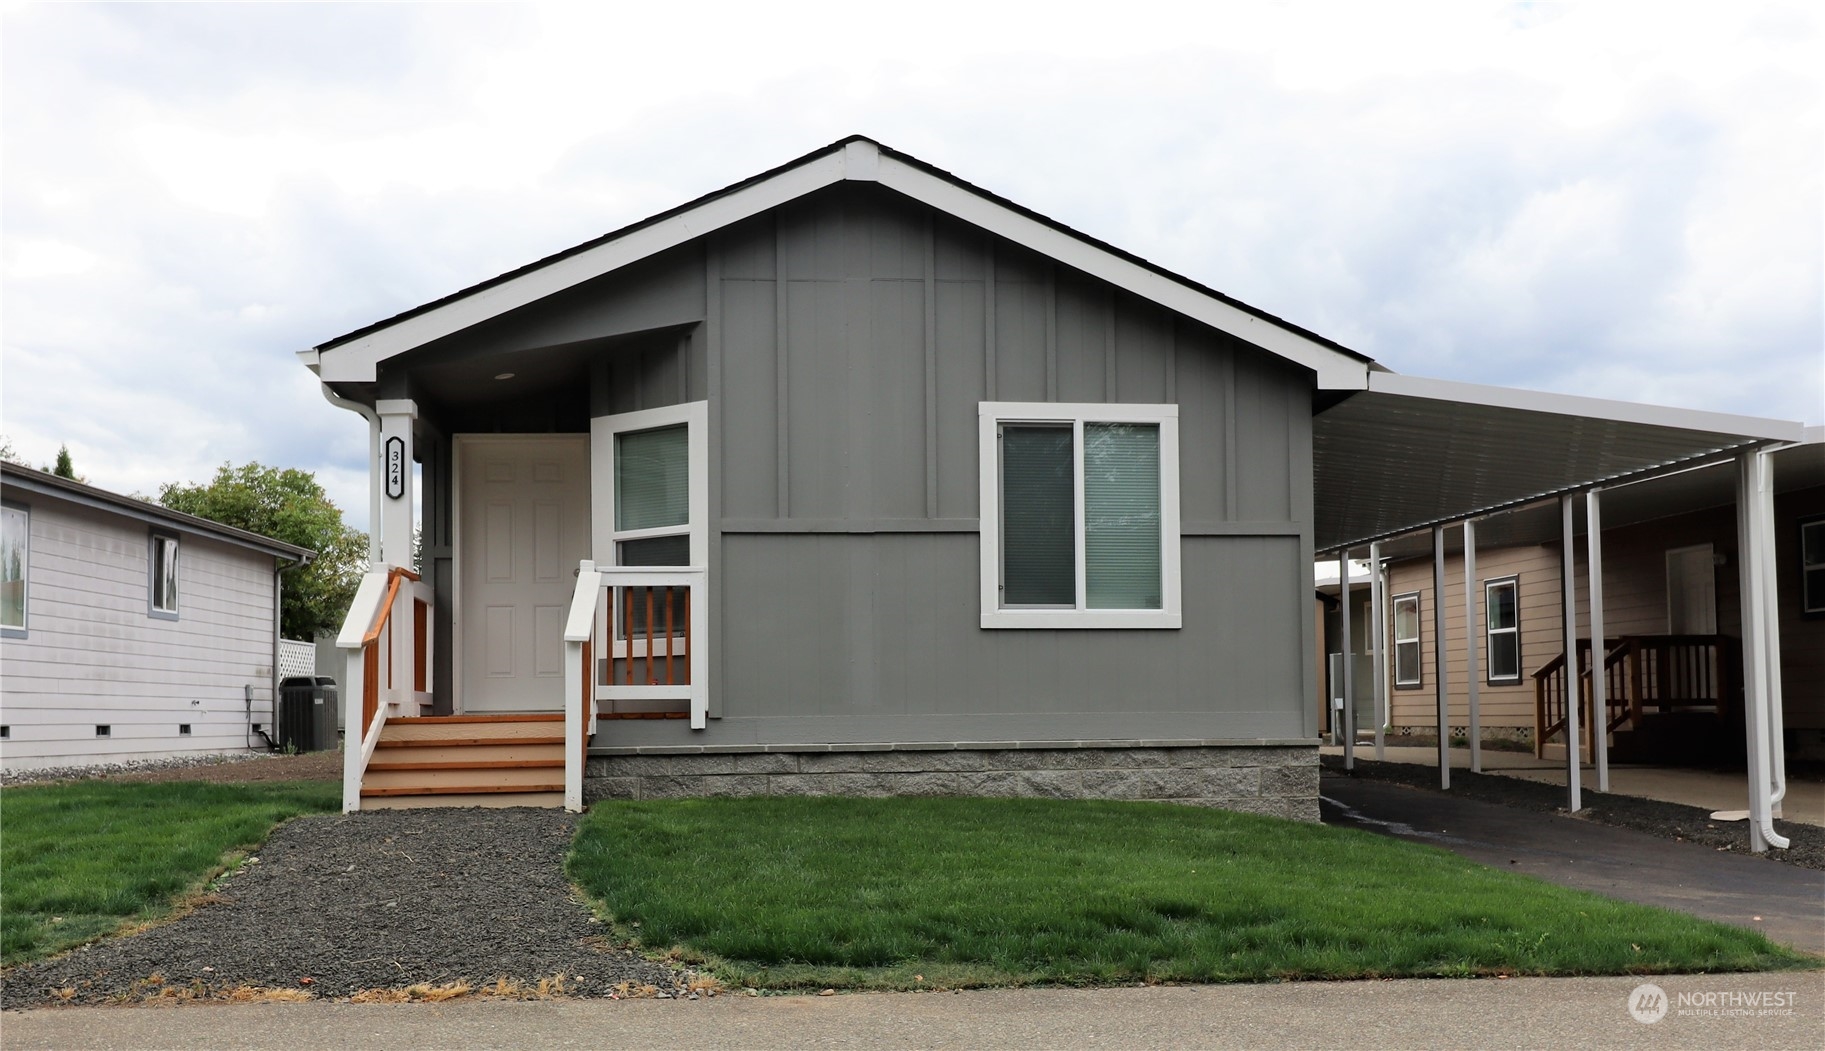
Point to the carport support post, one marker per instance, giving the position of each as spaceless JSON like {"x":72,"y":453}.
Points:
{"x":1600,"y":705}
{"x":1470,"y":668}
{"x":1568,"y":590}
{"x":1438,"y":656}
{"x":1378,"y":594}
{"x":1761,"y":661}
{"x":1349,"y":695}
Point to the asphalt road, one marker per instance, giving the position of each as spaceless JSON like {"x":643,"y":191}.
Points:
{"x":1483,"y":1013}
{"x":1785,"y":902}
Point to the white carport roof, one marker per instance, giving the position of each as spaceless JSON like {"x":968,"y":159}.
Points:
{"x":1411,"y":452}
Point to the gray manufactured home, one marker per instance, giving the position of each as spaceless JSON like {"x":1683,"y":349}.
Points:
{"x":851,"y":477}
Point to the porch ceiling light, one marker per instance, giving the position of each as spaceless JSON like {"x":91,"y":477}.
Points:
{"x":503,"y":375}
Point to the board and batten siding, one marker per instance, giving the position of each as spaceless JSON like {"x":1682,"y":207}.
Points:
{"x":845,"y":342}
{"x":94,"y":656}
{"x":849,"y":340}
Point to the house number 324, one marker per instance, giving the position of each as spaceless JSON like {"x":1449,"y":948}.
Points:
{"x":396,"y":468}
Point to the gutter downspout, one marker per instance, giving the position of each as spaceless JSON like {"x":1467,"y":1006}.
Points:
{"x":373,"y":419}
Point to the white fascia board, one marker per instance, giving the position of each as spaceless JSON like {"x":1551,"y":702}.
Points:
{"x":1336,"y":371}
{"x":357,"y":361}
{"x":308,"y":358}
{"x":1753,"y":427}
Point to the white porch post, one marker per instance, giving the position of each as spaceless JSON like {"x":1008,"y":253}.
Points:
{"x":394,"y":481}
{"x":1438,"y":656}
{"x":1761,"y":658}
{"x":1568,"y":589}
{"x":1600,"y":705}
{"x":1349,"y":696}
{"x":1470,"y":664}
{"x":1378,"y":594}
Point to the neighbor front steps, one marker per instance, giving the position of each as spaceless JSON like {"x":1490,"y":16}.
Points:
{"x":467,"y":760}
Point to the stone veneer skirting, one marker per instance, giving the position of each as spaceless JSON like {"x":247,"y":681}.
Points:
{"x":1278,"y":778}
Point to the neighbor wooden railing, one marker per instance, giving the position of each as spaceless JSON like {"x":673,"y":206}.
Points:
{"x":1661,"y":673}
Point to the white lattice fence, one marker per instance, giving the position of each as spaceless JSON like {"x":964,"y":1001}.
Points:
{"x":296,"y":658}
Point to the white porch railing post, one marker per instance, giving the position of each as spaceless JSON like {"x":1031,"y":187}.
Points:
{"x":352,"y":765}
{"x":579,"y":626}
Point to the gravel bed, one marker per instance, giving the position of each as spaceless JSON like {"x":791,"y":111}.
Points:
{"x":1668,"y":820}
{"x":385,"y":899}
{"x":98,"y":771}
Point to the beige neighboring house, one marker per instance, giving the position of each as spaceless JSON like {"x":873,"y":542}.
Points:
{"x":1672,"y":620}
{"x":130,"y":631}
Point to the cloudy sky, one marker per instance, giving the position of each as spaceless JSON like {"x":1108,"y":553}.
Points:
{"x":1614,"y":199}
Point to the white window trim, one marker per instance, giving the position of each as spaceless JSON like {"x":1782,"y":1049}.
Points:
{"x":21,"y":630}
{"x":695,"y":418}
{"x":153,"y":608}
{"x":1490,"y":633}
{"x":1418,"y":638}
{"x":990,"y":415}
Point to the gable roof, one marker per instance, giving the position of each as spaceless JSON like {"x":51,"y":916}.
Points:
{"x":355,"y":356}
{"x":19,"y":477}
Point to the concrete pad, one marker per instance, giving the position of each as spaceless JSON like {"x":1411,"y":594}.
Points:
{"x":1785,"y":902}
{"x":1707,"y":789}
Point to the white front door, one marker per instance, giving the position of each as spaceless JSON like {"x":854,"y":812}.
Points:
{"x":522,"y":525}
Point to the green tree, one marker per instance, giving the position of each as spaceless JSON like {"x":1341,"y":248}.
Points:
{"x":286,"y":504}
{"x":64,"y":468}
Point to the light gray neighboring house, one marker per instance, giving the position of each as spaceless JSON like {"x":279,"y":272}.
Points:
{"x":854,"y":477}
{"x":128,"y":630}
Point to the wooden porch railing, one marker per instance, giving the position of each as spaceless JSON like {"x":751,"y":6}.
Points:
{"x":1641,"y":673}
{"x":636,"y":638}
{"x":384,"y":653}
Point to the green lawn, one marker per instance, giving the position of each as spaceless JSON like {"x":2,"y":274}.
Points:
{"x":79,"y":860}
{"x":909,"y":893}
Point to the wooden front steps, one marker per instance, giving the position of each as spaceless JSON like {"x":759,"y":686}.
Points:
{"x":467,"y":760}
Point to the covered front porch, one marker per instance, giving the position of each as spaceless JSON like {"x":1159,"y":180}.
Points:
{"x":557,"y":534}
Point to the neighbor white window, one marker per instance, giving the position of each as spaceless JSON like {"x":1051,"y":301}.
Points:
{"x":1406,"y":640}
{"x":1502,"y":622}
{"x":1812,"y":567}
{"x":1080,"y":515}
{"x":164,"y":576}
{"x":15,"y":564}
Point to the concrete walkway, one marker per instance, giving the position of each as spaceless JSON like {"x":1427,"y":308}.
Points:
{"x":1706,"y":789}
{"x":1785,"y":902}
{"x":1704,"y":1013}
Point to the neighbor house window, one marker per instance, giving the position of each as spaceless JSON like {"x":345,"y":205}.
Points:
{"x":15,"y":565}
{"x":1812,"y":567}
{"x":1406,"y":640}
{"x":1080,"y":515}
{"x":1502,"y":623}
{"x":164,"y":576}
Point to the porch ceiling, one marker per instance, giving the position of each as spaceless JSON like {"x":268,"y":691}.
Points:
{"x":1410,"y":452}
